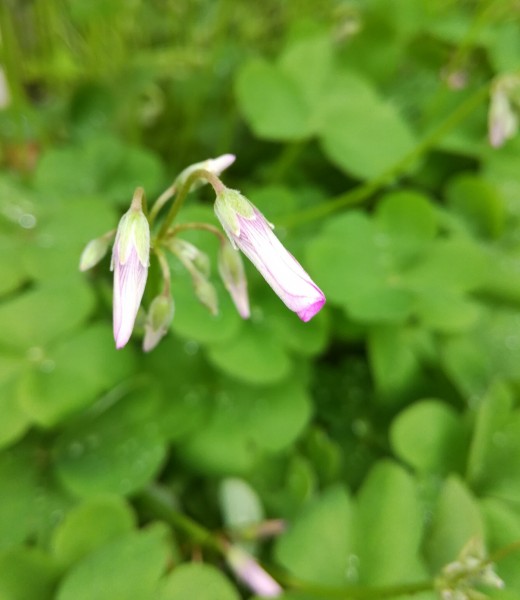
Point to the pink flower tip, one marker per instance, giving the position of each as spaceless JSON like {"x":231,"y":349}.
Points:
{"x":310,"y":310}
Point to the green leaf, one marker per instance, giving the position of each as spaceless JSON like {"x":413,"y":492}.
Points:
{"x":365,"y":138}
{"x":126,"y":568}
{"x":14,"y":421}
{"x":393,"y":359}
{"x":451,"y":265}
{"x":74,"y":373}
{"x":446,"y":311}
{"x":355,"y":273}
{"x":272,"y":103}
{"x":26,"y":574}
{"x":253,"y":356}
{"x":12,"y":271}
{"x":388,"y":502}
{"x":430,"y":436}
{"x":127,"y":436}
{"x":197,"y":582}
{"x":75,"y":537}
{"x":319,"y":541}
{"x":479,"y":204}
{"x":406,"y":224}
{"x":502,"y":529}
{"x":493,"y":413}
{"x":246,"y":422}
{"x":42,"y":315}
{"x":456,"y":519}
{"x":309,"y":63}
{"x":18,"y":482}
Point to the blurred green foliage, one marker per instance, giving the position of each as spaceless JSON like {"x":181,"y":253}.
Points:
{"x":386,"y":431}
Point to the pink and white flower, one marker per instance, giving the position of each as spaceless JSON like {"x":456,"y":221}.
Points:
{"x":251,"y":573}
{"x":130,"y":260}
{"x":249,"y":231}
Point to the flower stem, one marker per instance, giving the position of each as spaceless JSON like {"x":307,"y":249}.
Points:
{"x":154,"y":500}
{"x":218,"y":186}
{"x":194,"y":226}
{"x":165,"y":270}
{"x":365,"y":191}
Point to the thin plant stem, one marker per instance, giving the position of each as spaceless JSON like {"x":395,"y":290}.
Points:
{"x":154,"y":500}
{"x":197,"y":226}
{"x":165,"y":270}
{"x":160,"y":202}
{"x":365,"y":191}
{"x":218,"y":186}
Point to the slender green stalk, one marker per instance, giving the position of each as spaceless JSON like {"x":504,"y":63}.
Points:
{"x":197,"y":226}
{"x":153,"y":499}
{"x":365,"y":191}
{"x":160,"y":202}
{"x":165,"y":270}
{"x":183,"y":192}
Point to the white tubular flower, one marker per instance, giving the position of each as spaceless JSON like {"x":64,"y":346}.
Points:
{"x":213,"y":165}
{"x":130,"y":261}
{"x":249,"y":231}
{"x":251,"y":573}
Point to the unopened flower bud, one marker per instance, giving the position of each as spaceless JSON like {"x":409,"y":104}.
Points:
{"x":213,"y":165}
{"x":206,"y":293}
{"x":198,"y":266}
{"x":251,"y":573}
{"x":130,"y":261}
{"x":158,"y":319}
{"x":231,"y":269}
{"x":95,"y":251}
{"x":249,"y":231}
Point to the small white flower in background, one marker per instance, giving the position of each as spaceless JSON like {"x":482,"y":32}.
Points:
{"x":249,"y":231}
{"x":459,"y":578}
{"x":5,"y":96}
{"x":503,"y":110}
{"x":213,"y":165}
{"x":251,"y":573}
{"x":130,"y":261}
{"x":231,"y":269}
{"x":158,"y":319}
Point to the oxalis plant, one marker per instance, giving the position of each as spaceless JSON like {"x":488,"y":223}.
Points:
{"x":139,"y":234}
{"x":246,"y":229}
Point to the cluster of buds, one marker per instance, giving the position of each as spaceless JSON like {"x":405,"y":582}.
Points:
{"x":503,"y":109}
{"x":460,"y":579}
{"x":246,"y":230}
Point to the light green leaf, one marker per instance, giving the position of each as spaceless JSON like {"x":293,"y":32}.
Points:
{"x":246,"y":422}
{"x":126,"y":436}
{"x":319,"y":541}
{"x":393,"y":359}
{"x":126,"y":568}
{"x":26,"y":574}
{"x":73,"y":374}
{"x":478,"y":203}
{"x":75,"y":537}
{"x":388,"y":527}
{"x":365,"y":139}
{"x":430,"y":436}
{"x":42,"y":315}
{"x":197,"y":582}
{"x":272,"y":103}
{"x":456,"y":520}
{"x":253,"y":356}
